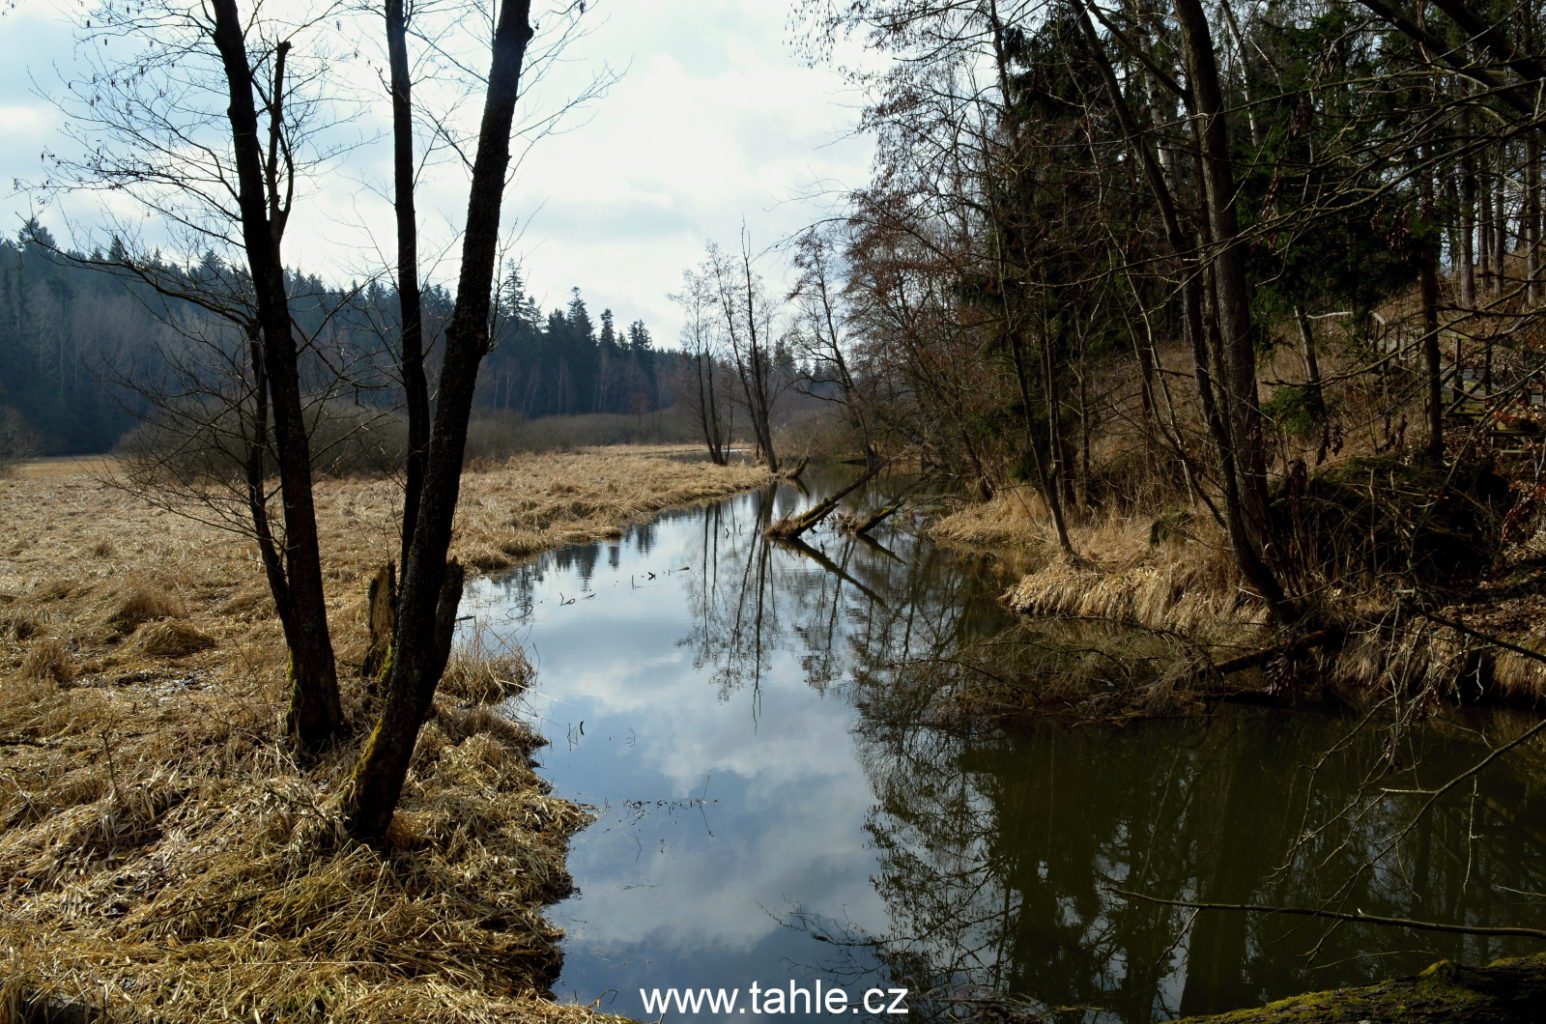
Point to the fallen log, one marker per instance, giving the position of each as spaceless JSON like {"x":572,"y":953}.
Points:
{"x":1259,"y":657}
{"x":1502,"y":992}
{"x":799,"y":468}
{"x":860,"y":526}
{"x":792,"y":526}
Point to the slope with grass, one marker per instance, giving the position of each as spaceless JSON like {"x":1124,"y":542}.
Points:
{"x":164,"y":856}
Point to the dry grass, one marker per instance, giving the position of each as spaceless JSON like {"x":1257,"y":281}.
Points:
{"x":1013,"y":517}
{"x":483,"y":671}
{"x":172,"y":639}
{"x":1185,"y":582}
{"x":1167,"y":571}
{"x":48,"y":661}
{"x":163,"y":853}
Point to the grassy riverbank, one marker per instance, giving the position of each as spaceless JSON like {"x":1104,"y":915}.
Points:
{"x":166,"y":859}
{"x":1166,"y":578}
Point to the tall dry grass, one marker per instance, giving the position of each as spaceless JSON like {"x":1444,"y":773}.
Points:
{"x":164,"y":854}
{"x":1174,"y":574}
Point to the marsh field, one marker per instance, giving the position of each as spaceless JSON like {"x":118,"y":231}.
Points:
{"x":671,"y":751}
{"x":166,"y":858}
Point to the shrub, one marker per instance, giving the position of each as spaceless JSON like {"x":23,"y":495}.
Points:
{"x":17,"y":439}
{"x":1297,"y":411}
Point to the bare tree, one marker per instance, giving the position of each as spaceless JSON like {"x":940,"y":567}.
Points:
{"x":208,"y":126}
{"x":432,"y":586}
{"x":703,"y":393}
{"x":820,"y":334}
{"x":744,"y":307}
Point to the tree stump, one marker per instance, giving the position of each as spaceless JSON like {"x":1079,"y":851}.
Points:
{"x":381,"y":619}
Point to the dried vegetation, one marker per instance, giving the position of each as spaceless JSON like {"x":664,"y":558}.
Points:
{"x":164,"y":856}
{"x":1386,"y":541}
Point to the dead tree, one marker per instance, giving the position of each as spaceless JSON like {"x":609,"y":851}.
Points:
{"x":792,"y":526}
{"x":698,"y":337}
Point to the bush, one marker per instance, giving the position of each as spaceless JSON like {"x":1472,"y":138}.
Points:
{"x":193,"y":443}
{"x":1297,"y":411}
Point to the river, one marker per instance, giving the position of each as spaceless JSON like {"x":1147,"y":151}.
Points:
{"x":741,"y":714}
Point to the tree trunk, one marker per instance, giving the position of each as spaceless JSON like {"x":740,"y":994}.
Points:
{"x":315,"y":714}
{"x":1432,"y":364}
{"x":1185,"y":251}
{"x":757,"y":397}
{"x":380,"y":621}
{"x":708,"y":415}
{"x":1467,"y":253}
{"x":1484,"y":222}
{"x":793,"y":526}
{"x":1531,"y":232}
{"x":431,"y":586}
{"x":1500,"y":222}
{"x":1242,"y":445}
{"x":1530,"y":207}
{"x":1428,"y":286}
{"x":1312,"y":366}
{"x":415,"y":386}
{"x":1043,"y":463}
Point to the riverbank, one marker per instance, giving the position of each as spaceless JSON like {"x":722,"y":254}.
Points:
{"x":1507,"y":991}
{"x":1158,"y":596}
{"x":165,"y":857}
{"x":1167,"y":582}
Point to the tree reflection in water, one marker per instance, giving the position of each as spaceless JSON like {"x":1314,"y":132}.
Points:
{"x":995,"y":852}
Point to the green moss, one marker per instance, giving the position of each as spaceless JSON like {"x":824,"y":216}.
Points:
{"x":1503,"y":992}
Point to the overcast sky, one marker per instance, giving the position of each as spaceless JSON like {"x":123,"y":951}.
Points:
{"x":714,"y":118}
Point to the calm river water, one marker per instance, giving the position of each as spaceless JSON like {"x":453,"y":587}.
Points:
{"x":728,"y":706}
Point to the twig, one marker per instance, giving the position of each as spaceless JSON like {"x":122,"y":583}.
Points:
{"x":1397,"y":922}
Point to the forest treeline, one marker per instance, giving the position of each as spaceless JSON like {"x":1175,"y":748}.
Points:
{"x":1184,"y":255}
{"x":88,"y":340}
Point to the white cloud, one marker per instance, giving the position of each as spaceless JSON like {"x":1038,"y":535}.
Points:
{"x":713,"y":119}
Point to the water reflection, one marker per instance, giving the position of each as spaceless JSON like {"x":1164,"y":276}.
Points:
{"x":731,"y":707}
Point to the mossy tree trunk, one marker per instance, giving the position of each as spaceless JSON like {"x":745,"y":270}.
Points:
{"x":1503,"y":992}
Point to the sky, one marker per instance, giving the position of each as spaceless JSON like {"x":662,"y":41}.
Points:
{"x":712,"y":118}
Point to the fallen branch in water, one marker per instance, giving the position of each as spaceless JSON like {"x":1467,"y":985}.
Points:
{"x":1257,"y":658}
{"x":860,"y":527}
{"x":791,"y":527}
{"x":797,"y":471}
{"x":1333,"y":915}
